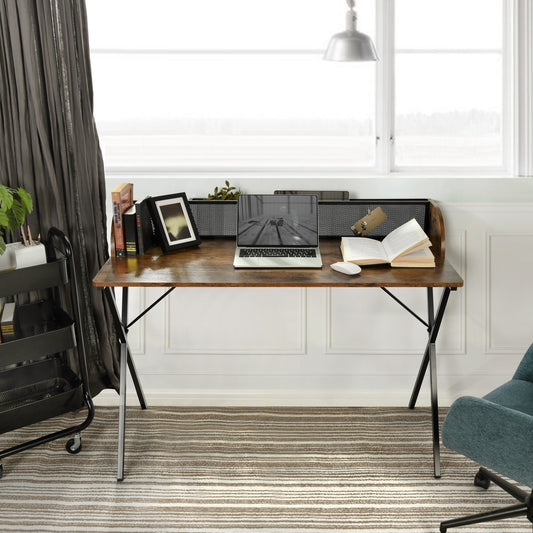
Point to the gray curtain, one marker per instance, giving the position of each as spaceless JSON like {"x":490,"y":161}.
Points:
{"x":49,"y":145}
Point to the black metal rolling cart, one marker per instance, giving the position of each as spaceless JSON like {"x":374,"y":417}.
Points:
{"x":43,"y":370}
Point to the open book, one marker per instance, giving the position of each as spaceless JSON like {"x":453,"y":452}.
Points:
{"x":406,"y":246}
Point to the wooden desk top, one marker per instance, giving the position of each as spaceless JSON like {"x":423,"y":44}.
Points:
{"x":211,"y":265}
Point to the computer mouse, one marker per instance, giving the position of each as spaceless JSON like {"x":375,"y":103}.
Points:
{"x":346,"y":268}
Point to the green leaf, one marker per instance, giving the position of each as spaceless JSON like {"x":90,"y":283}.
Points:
{"x":4,"y":220}
{"x":26,"y":200}
{"x":6,"y":197}
{"x":16,"y":215}
{"x":2,"y":245}
{"x":227,"y":183}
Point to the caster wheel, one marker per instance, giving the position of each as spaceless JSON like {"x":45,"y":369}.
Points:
{"x":481,"y":481}
{"x":1,"y":470}
{"x":73,"y":445}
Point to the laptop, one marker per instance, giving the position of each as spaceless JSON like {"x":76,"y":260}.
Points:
{"x":277,"y":231}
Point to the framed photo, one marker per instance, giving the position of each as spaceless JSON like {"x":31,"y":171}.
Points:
{"x":173,"y":221}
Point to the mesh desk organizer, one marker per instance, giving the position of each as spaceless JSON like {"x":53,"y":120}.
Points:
{"x":43,"y":372}
{"x":216,"y":218}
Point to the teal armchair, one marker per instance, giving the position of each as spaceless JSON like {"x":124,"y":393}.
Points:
{"x":496,"y":431}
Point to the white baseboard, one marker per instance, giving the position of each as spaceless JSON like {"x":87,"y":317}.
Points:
{"x":337,"y":398}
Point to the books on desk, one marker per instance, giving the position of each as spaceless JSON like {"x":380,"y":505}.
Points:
{"x":133,"y":231}
{"x":406,"y":246}
{"x":122,"y":199}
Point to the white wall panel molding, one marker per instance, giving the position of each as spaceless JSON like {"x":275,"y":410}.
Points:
{"x":509,"y":292}
{"x":223,"y":321}
{"x":281,"y":398}
{"x":367,"y":321}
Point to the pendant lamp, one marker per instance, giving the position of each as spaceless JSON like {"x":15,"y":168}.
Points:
{"x":351,"y":45}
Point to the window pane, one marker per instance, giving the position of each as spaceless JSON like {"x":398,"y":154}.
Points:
{"x":231,"y":101}
{"x":445,"y":24}
{"x":233,"y":109}
{"x":448,"y":109}
{"x":215,"y":24}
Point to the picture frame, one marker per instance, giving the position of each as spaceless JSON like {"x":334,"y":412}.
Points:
{"x":173,"y":221}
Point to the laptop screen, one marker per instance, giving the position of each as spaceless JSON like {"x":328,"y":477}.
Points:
{"x":277,"y":220}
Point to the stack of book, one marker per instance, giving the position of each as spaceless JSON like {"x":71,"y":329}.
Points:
{"x":133,"y":230}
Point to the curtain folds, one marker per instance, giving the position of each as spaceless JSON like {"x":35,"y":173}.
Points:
{"x":49,"y":145}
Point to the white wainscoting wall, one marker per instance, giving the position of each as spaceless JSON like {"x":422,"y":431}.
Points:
{"x":289,"y":346}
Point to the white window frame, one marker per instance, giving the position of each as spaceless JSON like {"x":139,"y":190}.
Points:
{"x":520,"y":36}
{"x":517,"y":105}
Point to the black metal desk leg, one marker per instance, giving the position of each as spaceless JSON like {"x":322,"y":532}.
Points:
{"x":122,"y":338}
{"x":122,"y":411}
{"x":430,"y":357}
{"x":125,"y":362}
{"x":434,"y":408}
{"x":433,"y":330}
{"x":131,"y":364}
{"x":123,"y":380}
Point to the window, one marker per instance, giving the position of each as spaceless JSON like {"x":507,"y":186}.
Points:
{"x":232,"y":84}
{"x":239,"y":84}
{"x":448,"y":83}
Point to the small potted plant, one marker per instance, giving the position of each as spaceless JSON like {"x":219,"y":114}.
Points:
{"x":15,"y":204}
{"x":224,"y":193}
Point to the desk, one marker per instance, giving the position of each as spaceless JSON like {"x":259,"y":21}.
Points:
{"x":211,"y":265}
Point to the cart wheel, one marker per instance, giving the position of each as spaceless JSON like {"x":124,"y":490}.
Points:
{"x":74,"y":445}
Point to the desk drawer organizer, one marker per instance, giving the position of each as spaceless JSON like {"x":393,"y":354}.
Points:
{"x":216,"y":218}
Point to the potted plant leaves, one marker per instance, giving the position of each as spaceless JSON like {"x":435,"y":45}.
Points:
{"x":15,"y":204}
{"x":224,"y":193}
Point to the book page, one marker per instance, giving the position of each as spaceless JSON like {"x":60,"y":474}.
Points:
{"x":363,"y":251}
{"x":407,"y":238}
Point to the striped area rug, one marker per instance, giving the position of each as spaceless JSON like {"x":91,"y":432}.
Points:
{"x":244,"y":470}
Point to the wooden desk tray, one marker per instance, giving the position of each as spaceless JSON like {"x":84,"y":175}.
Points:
{"x":37,"y":391}
{"x":51,"y":274}
{"x":42,"y":328}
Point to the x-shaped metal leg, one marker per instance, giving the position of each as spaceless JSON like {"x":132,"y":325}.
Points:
{"x":126,"y":362}
{"x":430,"y":358}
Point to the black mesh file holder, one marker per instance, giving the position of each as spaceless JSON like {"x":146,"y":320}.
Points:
{"x":336,"y":218}
{"x":216,"y":218}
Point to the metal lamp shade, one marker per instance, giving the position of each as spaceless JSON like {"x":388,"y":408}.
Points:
{"x":351,"y":45}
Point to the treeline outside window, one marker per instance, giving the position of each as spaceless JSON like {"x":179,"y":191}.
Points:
{"x":241,"y":84}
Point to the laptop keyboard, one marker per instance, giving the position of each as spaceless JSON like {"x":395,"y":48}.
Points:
{"x":277,"y":252}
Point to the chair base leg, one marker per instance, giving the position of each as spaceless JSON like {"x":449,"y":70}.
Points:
{"x":524,"y":508}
